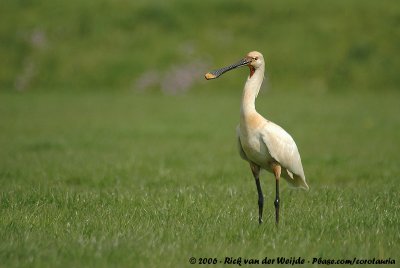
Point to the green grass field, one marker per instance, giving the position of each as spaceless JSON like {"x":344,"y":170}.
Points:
{"x":146,"y":180}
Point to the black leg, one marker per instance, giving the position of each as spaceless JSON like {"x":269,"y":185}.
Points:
{"x":256,"y":172}
{"x":276,"y":202}
{"x":260,"y":200}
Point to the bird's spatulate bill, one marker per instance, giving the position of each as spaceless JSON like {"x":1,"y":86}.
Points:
{"x":217,"y":73}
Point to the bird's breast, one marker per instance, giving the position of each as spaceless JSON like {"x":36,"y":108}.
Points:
{"x":253,"y":146}
{"x":251,"y":122}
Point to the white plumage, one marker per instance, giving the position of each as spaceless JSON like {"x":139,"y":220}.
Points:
{"x":262,"y":143}
{"x":273,"y":143}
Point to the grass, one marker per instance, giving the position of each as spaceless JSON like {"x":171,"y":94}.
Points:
{"x":146,"y":180}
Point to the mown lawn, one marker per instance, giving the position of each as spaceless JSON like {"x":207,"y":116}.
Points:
{"x":142,"y":180}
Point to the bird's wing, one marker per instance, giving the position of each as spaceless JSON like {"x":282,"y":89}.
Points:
{"x":282,"y":148}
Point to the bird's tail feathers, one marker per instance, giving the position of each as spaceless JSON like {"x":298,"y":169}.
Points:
{"x":296,"y":181}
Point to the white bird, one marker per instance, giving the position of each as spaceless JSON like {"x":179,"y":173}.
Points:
{"x":262,"y":143}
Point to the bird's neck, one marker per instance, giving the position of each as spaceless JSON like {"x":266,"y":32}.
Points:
{"x":250,"y":91}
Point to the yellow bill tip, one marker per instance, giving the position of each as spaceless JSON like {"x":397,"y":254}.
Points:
{"x":209,"y":76}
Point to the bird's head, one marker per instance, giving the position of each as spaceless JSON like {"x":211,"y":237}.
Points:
{"x":254,"y":60}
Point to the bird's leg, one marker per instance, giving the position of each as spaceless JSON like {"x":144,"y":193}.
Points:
{"x":277,"y":171}
{"x":256,"y":172}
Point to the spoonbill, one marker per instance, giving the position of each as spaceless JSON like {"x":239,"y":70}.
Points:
{"x":262,"y":143}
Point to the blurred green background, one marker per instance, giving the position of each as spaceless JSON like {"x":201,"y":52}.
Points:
{"x":142,"y":44}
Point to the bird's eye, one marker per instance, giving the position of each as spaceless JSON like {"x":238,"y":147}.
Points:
{"x":256,"y":58}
